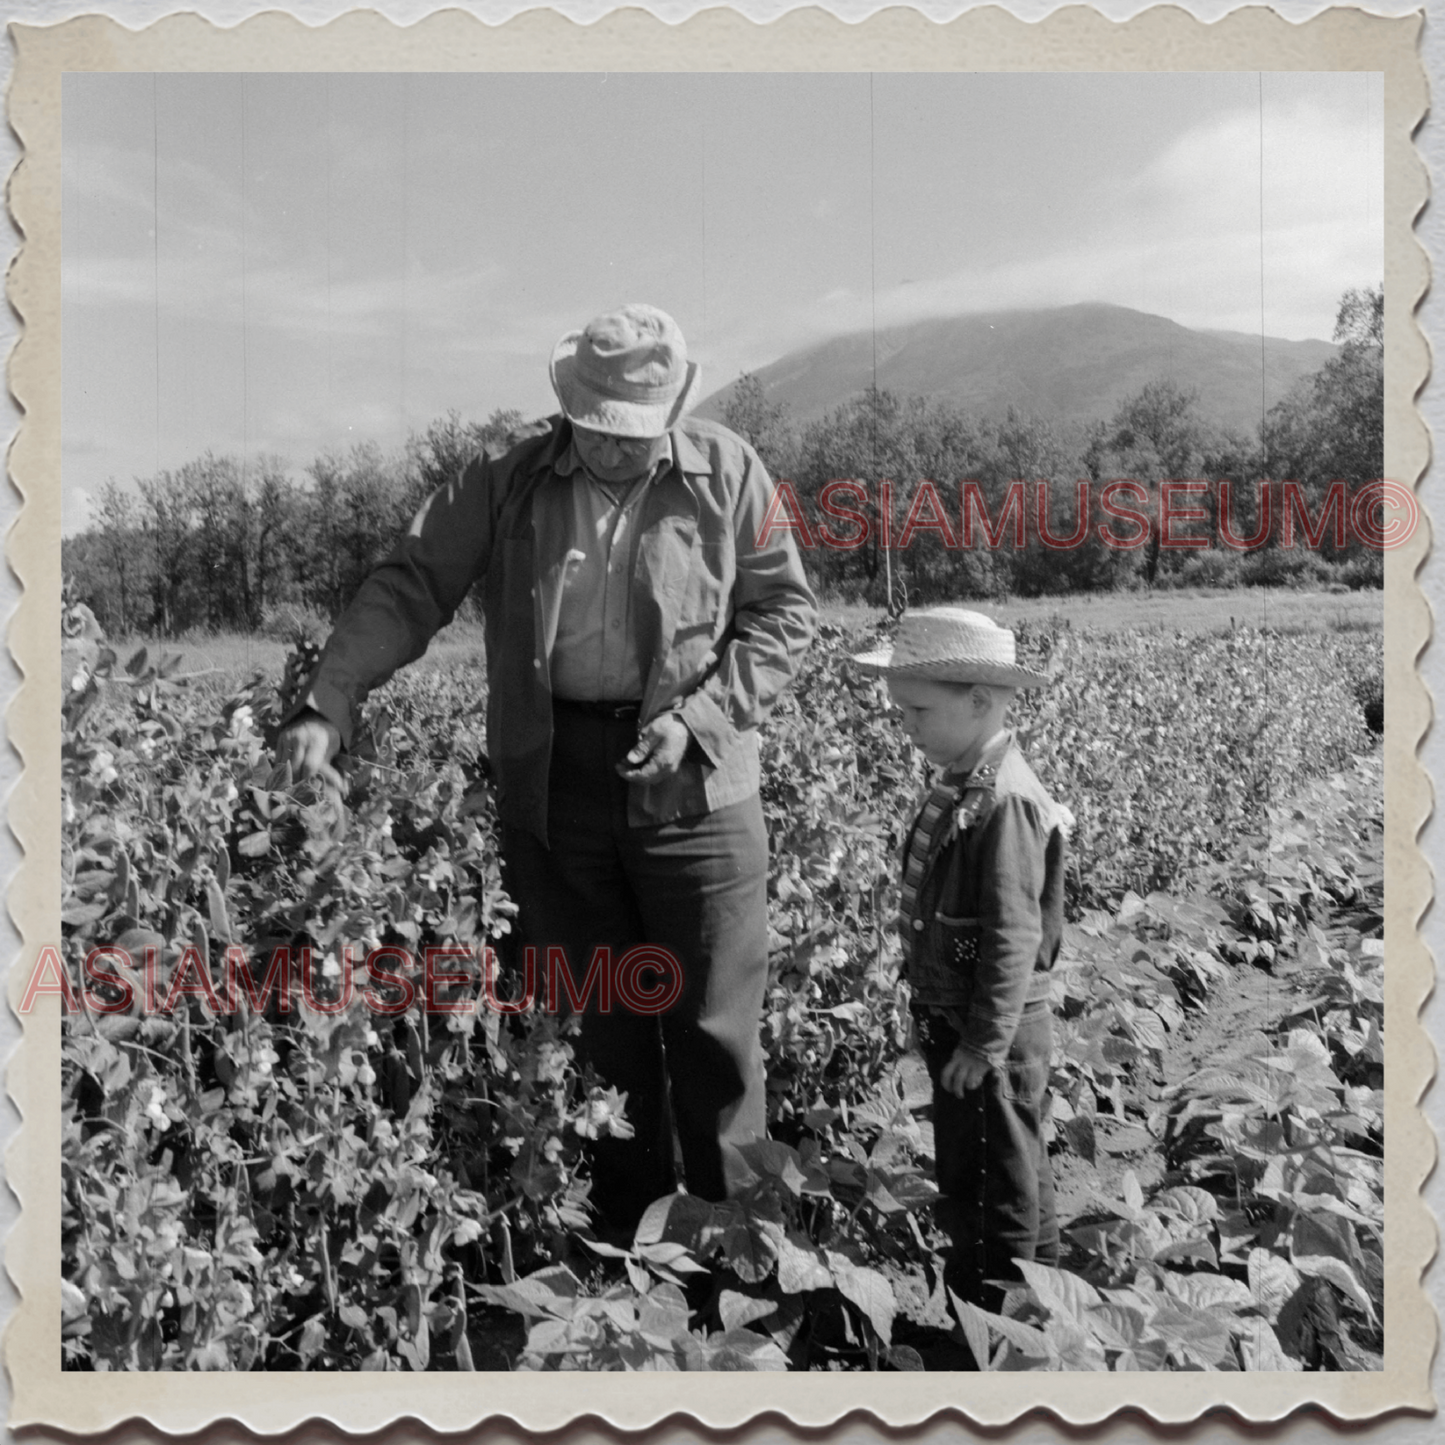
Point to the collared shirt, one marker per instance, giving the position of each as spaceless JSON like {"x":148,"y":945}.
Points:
{"x":595,"y":654}
{"x":721,"y":613}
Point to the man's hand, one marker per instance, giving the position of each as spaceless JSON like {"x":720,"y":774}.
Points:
{"x":964,"y":1071}
{"x":309,"y":743}
{"x":659,"y":750}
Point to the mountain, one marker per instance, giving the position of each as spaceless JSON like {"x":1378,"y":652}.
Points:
{"x":1068,"y":364}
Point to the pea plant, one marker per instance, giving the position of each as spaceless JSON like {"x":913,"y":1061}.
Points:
{"x":277,"y":1156}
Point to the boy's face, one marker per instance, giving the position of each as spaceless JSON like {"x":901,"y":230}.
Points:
{"x":943,"y":720}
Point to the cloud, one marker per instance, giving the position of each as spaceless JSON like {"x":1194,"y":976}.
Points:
{"x":1181,"y":239}
{"x":290,"y":296}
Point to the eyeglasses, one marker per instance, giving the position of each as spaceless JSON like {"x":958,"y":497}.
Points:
{"x":628,"y":446}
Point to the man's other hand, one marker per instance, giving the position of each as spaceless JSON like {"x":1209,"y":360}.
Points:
{"x":659,"y":750}
{"x":964,"y":1071}
{"x":309,"y":743}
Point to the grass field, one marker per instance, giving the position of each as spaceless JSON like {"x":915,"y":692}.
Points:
{"x":1185,"y":610}
{"x":231,"y":657}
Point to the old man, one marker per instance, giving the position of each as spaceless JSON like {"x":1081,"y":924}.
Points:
{"x":640,"y":623}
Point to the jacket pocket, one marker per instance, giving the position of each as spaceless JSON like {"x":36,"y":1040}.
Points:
{"x":1025,"y":1081}
{"x":958,"y":944}
{"x":943,"y":969}
{"x":1026,"y":1070}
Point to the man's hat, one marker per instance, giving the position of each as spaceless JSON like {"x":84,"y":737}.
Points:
{"x":951,"y":644}
{"x":626,"y":373}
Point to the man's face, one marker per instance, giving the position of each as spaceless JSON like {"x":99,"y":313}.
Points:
{"x":943,"y":721}
{"x":618,"y":459}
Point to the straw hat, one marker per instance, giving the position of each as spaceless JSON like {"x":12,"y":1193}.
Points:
{"x":951,"y":644}
{"x":626,"y":373}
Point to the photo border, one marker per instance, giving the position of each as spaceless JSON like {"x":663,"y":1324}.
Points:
{"x":900,"y":40}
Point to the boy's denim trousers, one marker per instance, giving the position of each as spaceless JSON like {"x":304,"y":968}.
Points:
{"x":996,"y":1188}
{"x":697,"y":887}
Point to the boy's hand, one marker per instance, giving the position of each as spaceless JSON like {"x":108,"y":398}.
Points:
{"x":659,"y":750}
{"x":964,"y":1071}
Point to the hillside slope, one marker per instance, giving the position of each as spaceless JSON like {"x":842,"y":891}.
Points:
{"x":1071,"y":364}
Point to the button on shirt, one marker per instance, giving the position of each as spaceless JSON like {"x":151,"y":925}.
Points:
{"x":595,"y":654}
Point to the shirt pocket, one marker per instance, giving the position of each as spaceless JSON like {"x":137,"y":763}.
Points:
{"x":705,"y":595}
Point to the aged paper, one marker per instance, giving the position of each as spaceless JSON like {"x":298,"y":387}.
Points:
{"x":630,"y":41}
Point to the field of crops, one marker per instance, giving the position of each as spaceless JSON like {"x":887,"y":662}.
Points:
{"x":341,"y":1187}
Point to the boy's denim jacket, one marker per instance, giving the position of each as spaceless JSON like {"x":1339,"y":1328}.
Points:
{"x":990,"y":908}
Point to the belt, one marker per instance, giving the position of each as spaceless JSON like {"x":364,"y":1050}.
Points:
{"x":600,"y":707}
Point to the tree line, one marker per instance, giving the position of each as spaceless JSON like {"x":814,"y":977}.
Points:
{"x":218,"y":545}
{"x":1329,"y":428}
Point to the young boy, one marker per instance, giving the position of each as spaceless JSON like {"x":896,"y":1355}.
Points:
{"x":981,"y":918}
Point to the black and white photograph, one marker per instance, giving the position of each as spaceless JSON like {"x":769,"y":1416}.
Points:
{"x":723,"y":721}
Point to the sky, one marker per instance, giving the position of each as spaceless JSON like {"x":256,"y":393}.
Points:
{"x":290,"y":264}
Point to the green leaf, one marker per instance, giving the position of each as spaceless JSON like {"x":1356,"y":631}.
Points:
{"x":216,"y":907}
{"x":1024,"y":1338}
{"x":1209,"y":1292}
{"x":747,"y":1247}
{"x":741,"y":1350}
{"x":1119,"y":1327}
{"x":975,"y":1332}
{"x":905,"y":1357}
{"x":549,"y":1337}
{"x":1133,"y":1194}
{"x":770,"y":1159}
{"x":550,"y":1291}
{"x":1195,"y":1206}
{"x":868,"y":1290}
{"x":801,"y":1266}
{"x":120,"y":884}
{"x":681,"y":1218}
{"x":1079,"y":1131}
{"x":737,"y":1310}
{"x":662,"y":1315}
{"x":1061,"y":1293}
{"x":1260,"y":1349}
{"x":1272,"y":1281}
{"x":1146,"y":1355}
{"x":1339,"y":1274}
{"x":1192,"y":1330}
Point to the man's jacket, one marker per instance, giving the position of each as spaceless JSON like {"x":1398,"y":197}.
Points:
{"x":989,"y":916}
{"x":721,"y":621}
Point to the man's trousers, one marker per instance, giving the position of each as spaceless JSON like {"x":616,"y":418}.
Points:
{"x":696,"y":887}
{"x":996,"y":1187}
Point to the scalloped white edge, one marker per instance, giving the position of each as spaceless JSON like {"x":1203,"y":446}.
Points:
{"x":801,"y":39}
